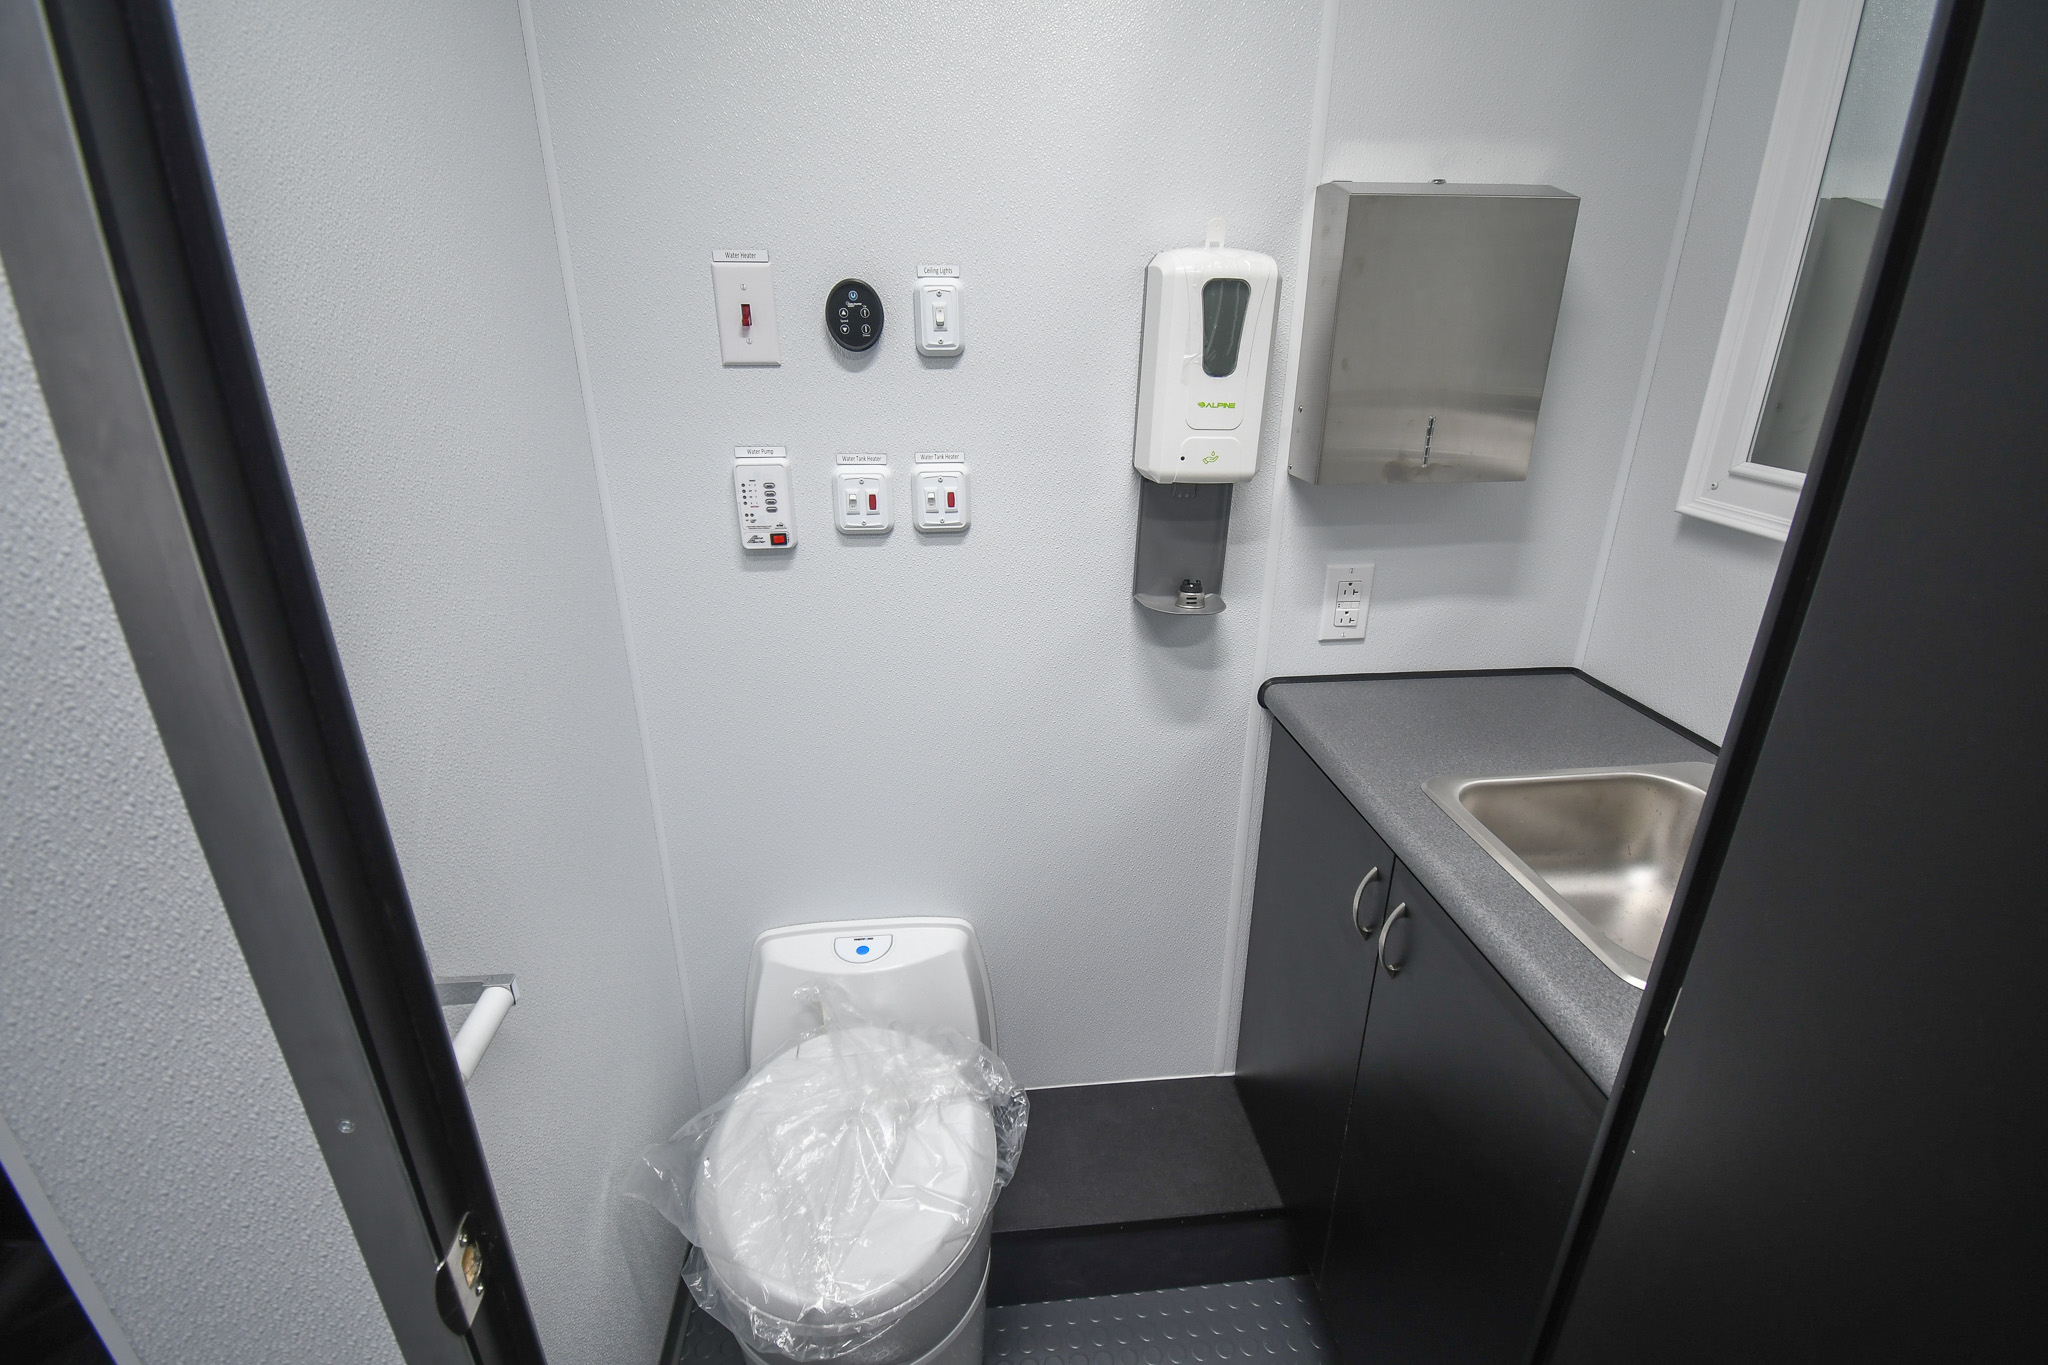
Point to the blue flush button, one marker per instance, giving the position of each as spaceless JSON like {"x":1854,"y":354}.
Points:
{"x":862,"y":947}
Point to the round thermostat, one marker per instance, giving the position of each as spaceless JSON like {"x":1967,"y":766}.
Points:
{"x":853,"y":315}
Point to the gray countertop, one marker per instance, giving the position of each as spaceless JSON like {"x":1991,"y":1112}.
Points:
{"x":1379,"y":739}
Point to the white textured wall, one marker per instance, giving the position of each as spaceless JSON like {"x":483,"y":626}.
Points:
{"x":144,"y":1106}
{"x":1680,"y":599}
{"x":984,"y":726}
{"x":1598,"y":97}
{"x":381,"y":176}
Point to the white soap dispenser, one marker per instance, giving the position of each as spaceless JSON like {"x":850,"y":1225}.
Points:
{"x":1202,"y":372}
{"x":1201,"y":395}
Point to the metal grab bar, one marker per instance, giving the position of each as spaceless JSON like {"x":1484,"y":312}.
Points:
{"x":493,"y":998}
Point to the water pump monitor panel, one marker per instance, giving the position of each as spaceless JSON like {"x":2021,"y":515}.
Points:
{"x":1202,"y":371}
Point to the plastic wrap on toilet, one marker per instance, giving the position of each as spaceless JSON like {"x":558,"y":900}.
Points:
{"x":833,"y":1190}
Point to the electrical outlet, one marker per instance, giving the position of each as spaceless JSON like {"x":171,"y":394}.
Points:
{"x":1347,"y":594}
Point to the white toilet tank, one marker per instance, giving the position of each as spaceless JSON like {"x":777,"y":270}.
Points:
{"x":925,"y":972}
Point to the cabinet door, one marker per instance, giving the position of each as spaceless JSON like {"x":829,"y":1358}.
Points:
{"x":1470,"y":1129}
{"x":1308,"y":975}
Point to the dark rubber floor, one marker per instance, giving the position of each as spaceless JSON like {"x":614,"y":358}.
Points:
{"x":1268,"y":1320}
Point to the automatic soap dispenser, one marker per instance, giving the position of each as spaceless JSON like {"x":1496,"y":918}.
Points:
{"x":1201,"y":393}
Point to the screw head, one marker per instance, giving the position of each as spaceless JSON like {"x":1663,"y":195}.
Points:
{"x":347,"y":1125}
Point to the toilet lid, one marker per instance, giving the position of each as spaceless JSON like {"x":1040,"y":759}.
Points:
{"x":846,"y":1176}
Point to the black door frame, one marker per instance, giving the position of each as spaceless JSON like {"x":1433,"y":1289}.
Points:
{"x":121,"y":274}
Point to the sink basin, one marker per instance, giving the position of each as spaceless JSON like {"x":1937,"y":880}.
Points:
{"x":1600,"y":847}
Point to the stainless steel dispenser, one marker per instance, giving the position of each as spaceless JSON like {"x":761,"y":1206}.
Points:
{"x":1426,"y":337}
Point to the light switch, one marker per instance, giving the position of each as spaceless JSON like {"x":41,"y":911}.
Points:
{"x":939,"y":499}
{"x":860,"y":496}
{"x":939,"y":317}
{"x":1347,"y":595}
{"x":743,"y":291}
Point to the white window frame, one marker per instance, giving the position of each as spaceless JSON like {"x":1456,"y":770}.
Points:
{"x":1721,"y":483}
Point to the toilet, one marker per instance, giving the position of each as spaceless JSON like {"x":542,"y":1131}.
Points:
{"x":919,"y":972}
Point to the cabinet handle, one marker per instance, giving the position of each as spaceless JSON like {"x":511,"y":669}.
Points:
{"x":1393,"y":968}
{"x":1364,"y":931}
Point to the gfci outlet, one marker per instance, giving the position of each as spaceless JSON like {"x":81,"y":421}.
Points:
{"x":1347,"y":593}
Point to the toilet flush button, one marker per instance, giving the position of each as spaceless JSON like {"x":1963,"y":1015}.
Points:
{"x":862,"y":947}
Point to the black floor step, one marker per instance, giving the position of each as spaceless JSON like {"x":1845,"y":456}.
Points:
{"x":1137,"y":1186}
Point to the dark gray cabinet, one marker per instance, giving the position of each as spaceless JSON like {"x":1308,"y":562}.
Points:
{"x":1308,"y":977}
{"x":1432,"y":1197}
{"x":1469,"y":1132}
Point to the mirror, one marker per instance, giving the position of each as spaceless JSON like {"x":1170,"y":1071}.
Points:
{"x":1841,"y":117}
{"x":1861,"y":155}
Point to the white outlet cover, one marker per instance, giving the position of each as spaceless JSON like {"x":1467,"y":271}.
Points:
{"x":1335,"y":576}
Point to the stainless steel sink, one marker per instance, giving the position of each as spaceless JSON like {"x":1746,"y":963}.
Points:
{"x":1600,"y":847}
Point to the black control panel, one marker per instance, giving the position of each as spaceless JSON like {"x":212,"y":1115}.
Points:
{"x":853,"y":315}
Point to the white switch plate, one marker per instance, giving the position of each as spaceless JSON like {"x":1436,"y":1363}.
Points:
{"x":1347,"y":593}
{"x":939,"y":328}
{"x":938,"y":494}
{"x":760,"y":485}
{"x":860,"y":496}
{"x":743,"y":290}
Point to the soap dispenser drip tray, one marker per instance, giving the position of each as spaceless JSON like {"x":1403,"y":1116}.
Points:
{"x":1182,"y":532}
{"x":1170,"y":604}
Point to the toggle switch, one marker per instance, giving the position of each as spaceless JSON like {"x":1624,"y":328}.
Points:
{"x":938,"y":315}
{"x":861,"y":495}
{"x":743,"y":291}
{"x":941,"y":499}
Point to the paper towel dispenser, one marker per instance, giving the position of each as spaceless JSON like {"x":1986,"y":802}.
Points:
{"x":1429,"y":313}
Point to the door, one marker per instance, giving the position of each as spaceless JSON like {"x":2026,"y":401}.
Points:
{"x":1322,"y":883}
{"x":1830,"y":1145}
{"x":1469,"y":1132}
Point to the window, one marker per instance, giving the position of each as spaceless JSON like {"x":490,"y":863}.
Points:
{"x":1850,"y":72}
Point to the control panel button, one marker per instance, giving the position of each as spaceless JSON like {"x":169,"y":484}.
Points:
{"x":862,"y":947}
